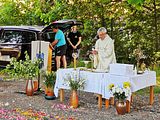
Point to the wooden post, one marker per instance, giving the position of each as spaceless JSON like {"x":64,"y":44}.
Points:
{"x":132,"y":97}
{"x":112,"y":100}
{"x":151,"y":95}
{"x":74,"y":62}
{"x":61,"y":95}
{"x":49,"y":65}
{"x":128,"y":106}
{"x":107,"y":103}
{"x":99,"y":102}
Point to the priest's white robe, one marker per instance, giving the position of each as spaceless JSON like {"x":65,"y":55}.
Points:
{"x":106,"y":54}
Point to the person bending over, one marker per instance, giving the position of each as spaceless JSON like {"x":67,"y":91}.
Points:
{"x":60,"y":44}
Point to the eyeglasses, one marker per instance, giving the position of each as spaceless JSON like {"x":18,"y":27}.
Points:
{"x":101,"y":34}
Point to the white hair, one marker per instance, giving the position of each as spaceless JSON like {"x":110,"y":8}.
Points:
{"x":102,"y":29}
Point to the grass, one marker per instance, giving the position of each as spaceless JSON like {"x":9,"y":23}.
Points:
{"x":146,"y":91}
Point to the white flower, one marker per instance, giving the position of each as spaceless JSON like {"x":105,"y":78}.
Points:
{"x":127,"y":92}
{"x":117,"y":90}
{"x":74,"y":80}
{"x":6,"y":104}
{"x":121,"y":91}
{"x":113,"y":90}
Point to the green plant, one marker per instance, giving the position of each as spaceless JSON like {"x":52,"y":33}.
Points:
{"x":49,"y":78}
{"x":23,"y":69}
{"x":74,"y":81}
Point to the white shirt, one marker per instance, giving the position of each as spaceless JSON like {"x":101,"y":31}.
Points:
{"x":106,"y":54}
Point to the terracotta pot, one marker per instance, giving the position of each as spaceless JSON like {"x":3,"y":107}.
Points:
{"x":121,"y":107}
{"x":29,"y":88}
{"x":74,"y":99}
{"x":49,"y":91}
{"x":35,"y":84}
{"x":46,"y":90}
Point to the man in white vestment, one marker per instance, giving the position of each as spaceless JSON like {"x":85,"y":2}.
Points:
{"x":104,"y":51}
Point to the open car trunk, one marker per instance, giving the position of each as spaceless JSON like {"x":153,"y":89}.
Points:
{"x":48,"y":35}
{"x":15,"y":40}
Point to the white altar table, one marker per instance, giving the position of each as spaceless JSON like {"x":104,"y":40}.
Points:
{"x":138,"y":81}
{"x":93,"y":81}
{"x":98,"y":83}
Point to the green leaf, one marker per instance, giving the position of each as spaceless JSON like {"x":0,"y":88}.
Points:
{"x":136,"y":2}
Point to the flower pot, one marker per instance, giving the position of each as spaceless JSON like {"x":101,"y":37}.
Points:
{"x":50,"y":97}
{"x":35,"y":84}
{"x":121,"y":107}
{"x":74,"y":99}
{"x":49,"y":91}
{"x":29,"y":88}
{"x":46,"y":90}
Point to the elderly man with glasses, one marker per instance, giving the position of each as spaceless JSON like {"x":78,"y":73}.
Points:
{"x":104,"y":51}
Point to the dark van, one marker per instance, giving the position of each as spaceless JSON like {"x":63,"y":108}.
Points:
{"x":15,"y":40}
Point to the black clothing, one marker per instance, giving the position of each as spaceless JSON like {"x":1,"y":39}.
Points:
{"x":61,"y":50}
{"x":74,"y":38}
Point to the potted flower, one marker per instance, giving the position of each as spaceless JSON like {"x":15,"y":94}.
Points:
{"x":120,"y":93}
{"x":75,"y":82}
{"x":140,"y":59}
{"x":24,"y":69}
{"x":49,"y":81}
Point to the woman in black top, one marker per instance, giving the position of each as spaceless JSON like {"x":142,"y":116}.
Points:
{"x":74,"y":40}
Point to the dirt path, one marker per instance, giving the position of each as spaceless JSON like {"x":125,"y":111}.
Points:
{"x":16,"y":106}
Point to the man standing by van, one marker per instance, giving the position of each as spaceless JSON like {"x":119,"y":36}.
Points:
{"x":61,"y":47}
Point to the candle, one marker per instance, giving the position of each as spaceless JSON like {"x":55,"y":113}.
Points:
{"x":92,"y":58}
{"x":74,"y":55}
{"x":74,"y":62}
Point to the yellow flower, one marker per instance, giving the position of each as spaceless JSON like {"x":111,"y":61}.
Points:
{"x":126,"y":84}
{"x":111,"y":86}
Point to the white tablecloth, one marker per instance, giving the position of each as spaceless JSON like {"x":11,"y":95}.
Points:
{"x":92,"y":81}
{"x":98,"y":82}
{"x":138,"y":82}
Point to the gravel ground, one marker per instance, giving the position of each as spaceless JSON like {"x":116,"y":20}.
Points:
{"x":17,"y":106}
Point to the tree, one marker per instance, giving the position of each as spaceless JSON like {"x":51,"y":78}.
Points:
{"x":129,"y":22}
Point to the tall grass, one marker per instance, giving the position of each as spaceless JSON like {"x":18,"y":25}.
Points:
{"x":157,"y":87}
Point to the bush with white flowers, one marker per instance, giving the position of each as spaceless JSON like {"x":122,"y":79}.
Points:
{"x":120,"y":92}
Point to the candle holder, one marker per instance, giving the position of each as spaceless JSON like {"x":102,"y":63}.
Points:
{"x":86,"y":63}
{"x":74,"y":55}
{"x":91,"y":57}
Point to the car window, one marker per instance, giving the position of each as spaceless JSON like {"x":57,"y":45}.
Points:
{"x":13,"y":36}
{"x":49,"y":36}
{"x":0,"y":33}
